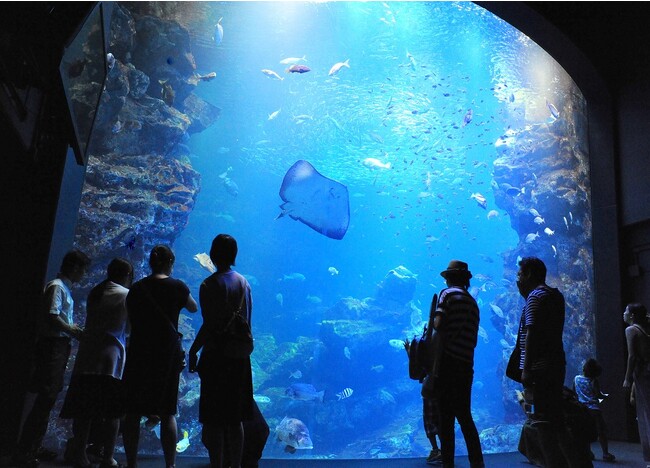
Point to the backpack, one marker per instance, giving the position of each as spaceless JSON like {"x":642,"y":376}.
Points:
{"x":423,"y":350}
{"x":237,"y":336}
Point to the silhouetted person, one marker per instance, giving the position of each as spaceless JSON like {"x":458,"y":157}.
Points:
{"x":587,"y":388}
{"x":56,"y":328}
{"x":543,"y":369}
{"x":226,"y":383}
{"x":95,"y":394}
{"x":638,"y":373}
{"x":151,"y":375}
{"x":457,"y":320}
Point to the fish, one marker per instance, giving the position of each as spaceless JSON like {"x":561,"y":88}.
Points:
{"x":167,"y":93}
{"x":397,"y":344}
{"x":110,"y":61}
{"x":280,"y":299}
{"x":554,"y":251}
{"x":538,"y":220}
{"x":468,"y":117}
{"x":293,"y":60}
{"x":378,"y":368}
{"x":566,"y":223}
{"x":117,"y":127}
{"x":531,"y":237}
{"x":205,"y":261}
{"x":534,"y":212}
{"x":497,"y":310}
{"x":492,"y":214}
{"x":480,"y":199}
{"x":346,"y":352}
{"x":261,"y":398}
{"x":345,"y":393}
{"x":294,"y":277}
{"x":553,"y":110}
{"x":274,"y":114}
{"x":218,"y":32}
{"x":571,"y":217}
{"x":548,"y":231}
{"x":294,"y":433}
{"x":194,"y":79}
{"x":333,"y":271}
{"x":225,"y":216}
{"x":321,"y":203}
{"x":295,"y":374}
{"x":314,"y":299}
{"x":304,"y":392}
{"x":298,"y":68}
{"x":184,"y":443}
{"x":483,"y":334}
{"x":272,"y":74}
{"x":373,"y":163}
{"x":337,"y":67}
{"x":376,"y":137}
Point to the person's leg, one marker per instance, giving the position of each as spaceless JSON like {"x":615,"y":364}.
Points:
{"x":168,"y":438}
{"x":235,"y":435}
{"x":81,"y":430}
{"x":35,"y":425}
{"x":446,"y":417}
{"x":463,"y":411}
{"x":212,"y":437}
{"x":111,"y":429}
{"x":131,"y":439}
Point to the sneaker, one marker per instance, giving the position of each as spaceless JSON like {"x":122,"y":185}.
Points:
{"x":608,"y":457}
{"x":435,"y":457}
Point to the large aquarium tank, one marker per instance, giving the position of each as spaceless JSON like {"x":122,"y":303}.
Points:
{"x":353,"y":149}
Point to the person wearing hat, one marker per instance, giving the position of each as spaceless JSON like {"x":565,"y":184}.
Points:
{"x":456,"y":319}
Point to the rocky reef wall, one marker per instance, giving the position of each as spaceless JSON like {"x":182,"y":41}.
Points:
{"x":140,"y":186}
{"x":541,"y":179}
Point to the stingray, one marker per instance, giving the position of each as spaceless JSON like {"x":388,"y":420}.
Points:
{"x":315,"y":200}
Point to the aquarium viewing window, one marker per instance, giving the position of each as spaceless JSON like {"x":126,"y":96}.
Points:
{"x":353,"y":149}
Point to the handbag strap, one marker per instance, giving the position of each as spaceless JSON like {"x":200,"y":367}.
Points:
{"x":235,"y":312}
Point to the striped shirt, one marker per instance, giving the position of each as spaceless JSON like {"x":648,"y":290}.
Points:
{"x":459,"y":325}
{"x":544,"y":310}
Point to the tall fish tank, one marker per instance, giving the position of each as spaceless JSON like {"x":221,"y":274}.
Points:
{"x":353,"y":149}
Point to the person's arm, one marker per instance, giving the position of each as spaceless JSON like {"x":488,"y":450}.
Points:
{"x":191,"y":304}
{"x":630,"y":336}
{"x":529,"y":352}
{"x":59,"y":324}
{"x":198,"y":343}
{"x":54,"y":298}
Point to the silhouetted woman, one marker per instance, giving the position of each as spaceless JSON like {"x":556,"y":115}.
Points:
{"x":153,"y":366}
{"x":95,"y":392}
{"x":226,"y":383}
{"x":638,"y":368}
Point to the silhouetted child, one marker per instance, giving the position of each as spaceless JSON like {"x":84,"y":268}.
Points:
{"x":588,"y":390}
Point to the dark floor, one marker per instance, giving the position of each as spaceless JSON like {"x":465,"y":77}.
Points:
{"x":627,"y":455}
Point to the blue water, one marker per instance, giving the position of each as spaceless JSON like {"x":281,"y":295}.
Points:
{"x":416,"y":69}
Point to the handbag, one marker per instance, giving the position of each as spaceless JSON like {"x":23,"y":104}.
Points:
{"x":237,"y":337}
{"x":513,"y":371}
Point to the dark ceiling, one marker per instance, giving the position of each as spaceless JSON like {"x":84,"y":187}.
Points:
{"x":614,"y":36}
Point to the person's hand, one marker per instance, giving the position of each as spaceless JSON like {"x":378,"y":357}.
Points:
{"x":194,"y":360}
{"x":75,"y":331}
{"x":407,"y":345}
